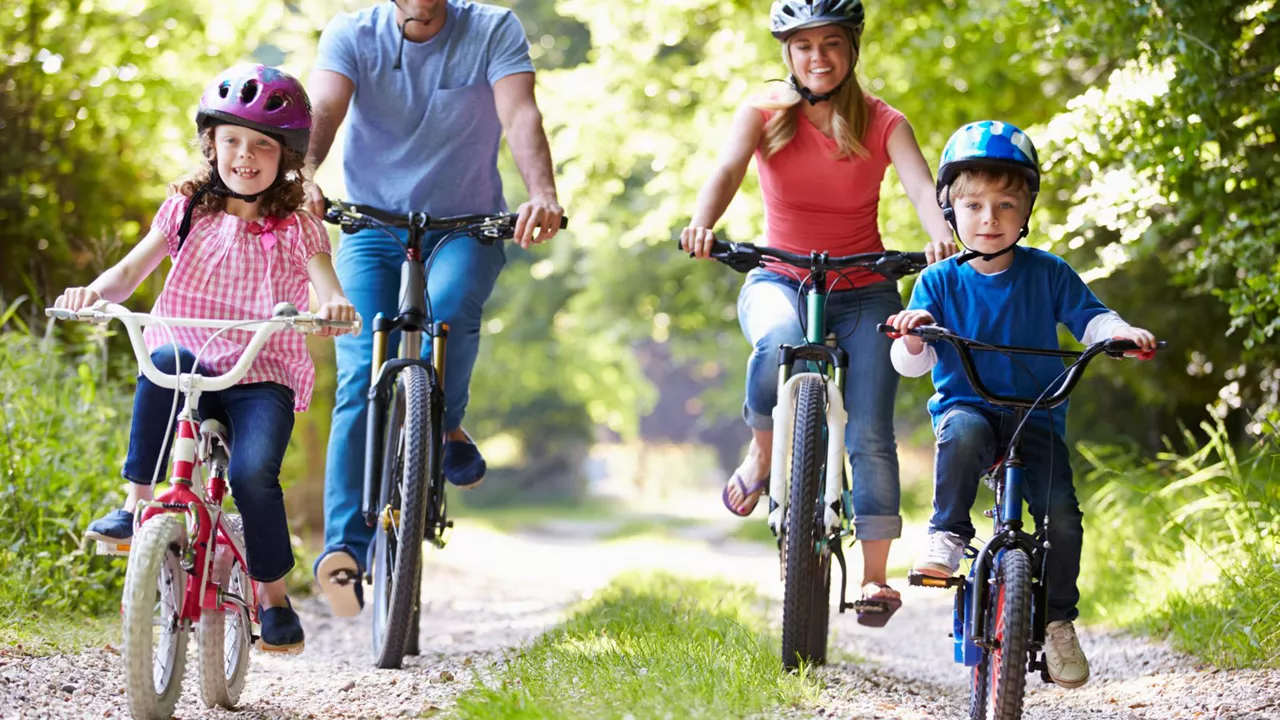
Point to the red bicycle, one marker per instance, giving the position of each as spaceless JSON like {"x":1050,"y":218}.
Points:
{"x":187,"y":569}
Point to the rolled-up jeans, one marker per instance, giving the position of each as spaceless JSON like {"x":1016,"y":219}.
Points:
{"x":769,"y":316}
{"x":459,"y":281}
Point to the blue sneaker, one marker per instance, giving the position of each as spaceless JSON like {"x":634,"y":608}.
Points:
{"x":464,"y":466}
{"x":281,"y":630}
{"x":113,"y":527}
{"x":341,"y":582}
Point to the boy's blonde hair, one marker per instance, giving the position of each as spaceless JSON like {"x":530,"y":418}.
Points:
{"x":849,"y":120}
{"x":974,"y":180}
{"x":281,"y":200}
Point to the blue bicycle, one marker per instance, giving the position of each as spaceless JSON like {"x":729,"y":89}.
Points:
{"x":1000,"y":607}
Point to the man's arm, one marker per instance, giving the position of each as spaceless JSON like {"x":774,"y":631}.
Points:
{"x":522,"y":122}
{"x":330,"y":96}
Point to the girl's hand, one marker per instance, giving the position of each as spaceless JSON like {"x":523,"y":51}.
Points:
{"x":1145,"y":341}
{"x":904,"y":321}
{"x":338,"y":308}
{"x":77,"y":298}
{"x":697,"y":241}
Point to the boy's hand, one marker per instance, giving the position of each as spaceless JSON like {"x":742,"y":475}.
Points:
{"x":339,"y":308}
{"x":904,"y":321}
{"x":77,"y":298}
{"x":1142,"y":338}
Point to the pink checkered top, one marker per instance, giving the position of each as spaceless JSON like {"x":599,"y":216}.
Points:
{"x":230,"y":269}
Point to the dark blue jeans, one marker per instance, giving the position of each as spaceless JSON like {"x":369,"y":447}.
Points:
{"x":259,"y":419}
{"x":971,"y":439}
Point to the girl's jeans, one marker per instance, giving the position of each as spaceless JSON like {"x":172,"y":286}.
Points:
{"x":259,"y":419}
{"x":767,"y":311}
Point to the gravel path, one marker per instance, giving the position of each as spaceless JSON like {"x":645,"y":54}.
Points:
{"x":490,"y":592}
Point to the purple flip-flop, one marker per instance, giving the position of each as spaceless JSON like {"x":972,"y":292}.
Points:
{"x":746,"y":492}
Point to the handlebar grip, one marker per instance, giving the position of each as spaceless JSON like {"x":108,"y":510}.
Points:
{"x":61,"y":313}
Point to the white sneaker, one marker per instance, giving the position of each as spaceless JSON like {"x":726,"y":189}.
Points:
{"x":942,"y":559}
{"x":1068,"y":667}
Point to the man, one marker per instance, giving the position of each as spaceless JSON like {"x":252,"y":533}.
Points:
{"x":431,"y":86}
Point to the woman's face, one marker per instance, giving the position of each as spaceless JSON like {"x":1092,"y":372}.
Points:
{"x":821,"y":57}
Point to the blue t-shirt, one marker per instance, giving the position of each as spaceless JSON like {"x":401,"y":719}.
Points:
{"x":425,"y":137}
{"x":1021,"y":306}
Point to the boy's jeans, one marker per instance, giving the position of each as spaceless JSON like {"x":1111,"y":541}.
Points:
{"x":970,"y":439}
{"x":259,"y":419}
{"x":368,"y":265}
{"x":768,"y":315}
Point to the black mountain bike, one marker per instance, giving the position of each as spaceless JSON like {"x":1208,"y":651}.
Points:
{"x":999,"y":620}
{"x":811,"y":505}
{"x":404,"y":486}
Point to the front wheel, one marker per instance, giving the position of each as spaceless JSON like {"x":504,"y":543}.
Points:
{"x":155,"y":641}
{"x":1005,"y":663}
{"x":397,"y":543}
{"x":804,"y":623}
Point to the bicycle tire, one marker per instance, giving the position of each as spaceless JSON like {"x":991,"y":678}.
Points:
{"x":821,"y":612}
{"x":154,"y":582}
{"x":1011,"y":625}
{"x":803,"y":527}
{"x":223,"y":638}
{"x":397,"y":565}
{"x":978,"y":688}
{"x":411,"y":646}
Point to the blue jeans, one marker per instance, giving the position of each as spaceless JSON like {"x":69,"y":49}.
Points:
{"x":767,"y":311}
{"x":259,"y":419}
{"x":971,"y":439}
{"x":368,"y":264}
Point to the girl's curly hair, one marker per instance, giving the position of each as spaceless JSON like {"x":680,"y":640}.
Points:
{"x":281,"y":200}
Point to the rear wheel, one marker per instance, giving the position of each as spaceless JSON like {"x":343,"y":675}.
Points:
{"x":155,"y":642}
{"x":397,"y":545}
{"x":803,"y":622}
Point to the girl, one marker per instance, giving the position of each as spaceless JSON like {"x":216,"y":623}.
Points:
{"x":822,"y":147}
{"x":239,"y":245}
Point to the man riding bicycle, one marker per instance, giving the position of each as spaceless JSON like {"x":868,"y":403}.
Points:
{"x":431,"y":89}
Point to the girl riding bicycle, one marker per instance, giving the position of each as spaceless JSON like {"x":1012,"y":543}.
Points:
{"x":822,"y":147}
{"x":240,"y":244}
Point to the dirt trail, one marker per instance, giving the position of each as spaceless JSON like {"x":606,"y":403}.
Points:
{"x":490,"y":592}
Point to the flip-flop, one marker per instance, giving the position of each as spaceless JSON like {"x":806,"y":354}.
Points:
{"x":875,"y":611}
{"x":746,"y":492}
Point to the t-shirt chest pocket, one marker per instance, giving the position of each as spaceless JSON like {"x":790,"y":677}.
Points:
{"x":462,"y":111}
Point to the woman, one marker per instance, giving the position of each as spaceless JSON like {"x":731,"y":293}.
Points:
{"x":822,"y":146}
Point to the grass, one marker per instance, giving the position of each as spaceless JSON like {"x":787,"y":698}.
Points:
{"x":35,"y":633}
{"x":649,"y":646}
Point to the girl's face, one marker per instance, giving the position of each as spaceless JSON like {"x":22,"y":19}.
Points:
{"x":821,"y":57}
{"x":248,"y":160}
{"x":989,"y":219}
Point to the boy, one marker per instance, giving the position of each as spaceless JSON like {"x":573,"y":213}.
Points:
{"x":1003,"y":293}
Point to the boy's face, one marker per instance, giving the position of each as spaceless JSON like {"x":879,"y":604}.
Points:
{"x":989,"y":219}
{"x":247,"y":159}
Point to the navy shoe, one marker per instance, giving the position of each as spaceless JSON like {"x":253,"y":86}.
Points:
{"x":115,"y":526}
{"x":281,"y":629}
{"x":340,"y":581}
{"x":463,"y":464}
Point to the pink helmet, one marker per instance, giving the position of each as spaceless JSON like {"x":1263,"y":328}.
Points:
{"x":261,"y":98}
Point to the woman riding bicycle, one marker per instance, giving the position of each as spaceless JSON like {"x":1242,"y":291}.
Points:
{"x":822,"y":147}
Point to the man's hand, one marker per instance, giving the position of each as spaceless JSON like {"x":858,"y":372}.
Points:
{"x":313,"y":199}
{"x":539,"y":221}
{"x":904,"y":321}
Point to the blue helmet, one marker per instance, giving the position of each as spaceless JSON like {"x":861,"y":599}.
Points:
{"x":990,"y":144}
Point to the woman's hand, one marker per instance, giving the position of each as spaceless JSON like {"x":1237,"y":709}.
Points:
{"x":77,"y":298}
{"x":338,"y":308}
{"x":940,"y":250}
{"x":697,"y":241}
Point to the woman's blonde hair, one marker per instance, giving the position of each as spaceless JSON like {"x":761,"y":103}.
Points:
{"x":281,"y":200}
{"x":849,"y":119}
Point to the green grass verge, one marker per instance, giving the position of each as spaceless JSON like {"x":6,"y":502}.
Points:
{"x":648,"y":646}
{"x":34,"y":633}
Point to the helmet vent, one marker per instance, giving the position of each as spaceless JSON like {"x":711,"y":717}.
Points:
{"x":274,"y":102}
{"x":224,"y":89}
{"x":248,"y":91}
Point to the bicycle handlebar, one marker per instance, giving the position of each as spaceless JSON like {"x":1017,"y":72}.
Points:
{"x":964,"y":346}
{"x":743,"y":257}
{"x":285,"y":316}
{"x":486,"y":228}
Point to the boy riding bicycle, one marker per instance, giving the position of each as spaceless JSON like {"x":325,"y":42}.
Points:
{"x":1003,"y":293}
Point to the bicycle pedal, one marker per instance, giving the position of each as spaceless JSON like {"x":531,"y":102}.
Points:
{"x":111,"y":548}
{"x":916,"y":579}
{"x":868,"y":606}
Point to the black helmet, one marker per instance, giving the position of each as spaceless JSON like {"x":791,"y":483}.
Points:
{"x":788,"y":16}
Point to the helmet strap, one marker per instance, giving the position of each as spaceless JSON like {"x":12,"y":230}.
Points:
{"x":813,"y":97}
{"x":949,"y":214}
{"x":403,"y":25}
